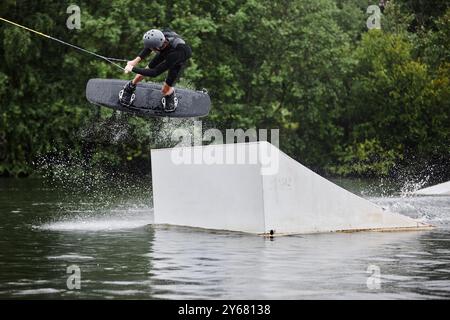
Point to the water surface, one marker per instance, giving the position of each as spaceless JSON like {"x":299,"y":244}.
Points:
{"x":121,"y":254}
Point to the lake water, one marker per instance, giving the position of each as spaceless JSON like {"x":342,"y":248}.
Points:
{"x":111,"y":241}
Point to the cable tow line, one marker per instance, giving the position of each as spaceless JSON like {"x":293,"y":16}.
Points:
{"x":108,"y":59}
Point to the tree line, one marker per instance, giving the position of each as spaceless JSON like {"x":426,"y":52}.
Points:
{"x":348,"y":101}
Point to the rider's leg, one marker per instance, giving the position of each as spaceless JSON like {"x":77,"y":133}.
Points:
{"x":167,"y":90}
{"x":126,"y":95}
{"x":138,"y":78}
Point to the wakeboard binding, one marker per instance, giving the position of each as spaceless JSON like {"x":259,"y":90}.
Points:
{"x":169,"y":103}
{"x":127,"y":95}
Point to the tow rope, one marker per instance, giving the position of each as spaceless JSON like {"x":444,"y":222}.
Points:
{"x":108,"y":59}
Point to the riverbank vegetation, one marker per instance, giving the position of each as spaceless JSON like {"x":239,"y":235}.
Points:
{"x":348,"y":101}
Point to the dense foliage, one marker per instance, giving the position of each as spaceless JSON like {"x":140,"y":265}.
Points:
{"x":347,"y":100}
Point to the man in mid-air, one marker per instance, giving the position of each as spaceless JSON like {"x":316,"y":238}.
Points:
{"x":172,"y":52}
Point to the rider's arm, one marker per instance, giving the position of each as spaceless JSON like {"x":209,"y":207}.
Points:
{"x":154,"y":71}
{"x":141,"y":56}
{"x":155,"y":61}
{"x":144,"y":53}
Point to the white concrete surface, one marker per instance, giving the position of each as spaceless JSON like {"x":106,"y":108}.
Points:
{"x":442,"y":189}
{"x":256,"y":188}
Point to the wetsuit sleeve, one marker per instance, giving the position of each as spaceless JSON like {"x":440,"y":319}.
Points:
{"x":144,"y":53}
{"x":155,"y":61}
{"x":168,"y":63}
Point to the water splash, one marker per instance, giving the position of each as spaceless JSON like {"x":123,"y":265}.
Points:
{"x":388,"y":194}
{"x":433,"y":210}
{"x":111,"y":220}
{"x":165,"y":134}
{"x":417,"y":176}
{"x":412,"y":185}
{"x":95,"y":191}
{"x":80,"y":180}
{"x":403,"y":184}
{"x":115,"y":129}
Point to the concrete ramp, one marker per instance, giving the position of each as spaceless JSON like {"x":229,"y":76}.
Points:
{"x":256,"y":188}
{"x":442,"y":189}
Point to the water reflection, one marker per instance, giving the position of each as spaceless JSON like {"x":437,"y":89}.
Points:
{"x":189,"y":263}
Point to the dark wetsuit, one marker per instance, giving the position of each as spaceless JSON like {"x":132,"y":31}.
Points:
{"x":172,"y":58}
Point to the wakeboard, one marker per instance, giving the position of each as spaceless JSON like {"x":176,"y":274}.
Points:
{"x":105,"y":93}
